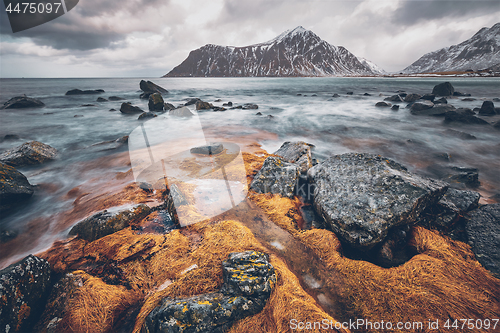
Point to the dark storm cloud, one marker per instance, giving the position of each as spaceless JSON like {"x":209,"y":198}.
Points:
{"x":416,"y":11}
{"x":79,"y":30}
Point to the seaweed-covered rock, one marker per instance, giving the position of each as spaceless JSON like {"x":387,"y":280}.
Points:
{"x":105,"y":223}
{"x":276,"y":176}
{"x":21,"y":102}
{"x":482,"y":231}
{"x":14,"y":188}
{"x":362,"y":196}
{"x":128,"y":108}
{"x":29,"y":153}
{"x":23,"y":289}
{"x":156,"y":102}
{"x":443,"y":89}
{"x":298,"y":152}
{"x":248,"y":282}
{"x":201,"y":105}
{"x":158,"y":222}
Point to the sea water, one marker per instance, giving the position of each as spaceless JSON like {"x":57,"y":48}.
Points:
{"x":291,"y":108}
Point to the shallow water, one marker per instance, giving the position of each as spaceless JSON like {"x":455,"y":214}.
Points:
{"x":334,"y":125}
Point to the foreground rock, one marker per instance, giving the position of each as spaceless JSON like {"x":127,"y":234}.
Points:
{"x":29,"y":153}
{"x":84,"y":92}
{"x":212,"y":149}
{"x":150,"y":88}
{"x":128,"y":108}
{"x":443,"y":89}
{"x":277,"y":177}
{"x":156,"y":102}
{"x":14,"y":188}
{"x":296,"y":152}
{"x":105,"y":223}
{"x":363,"y":196}
{"x":23,"y":289}
{"x":482,"y":231}
{"x":21,"y":102}
{"x":248,"y":281}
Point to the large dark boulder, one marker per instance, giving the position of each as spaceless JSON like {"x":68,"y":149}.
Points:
{"x":487,"y":109}
{"x":248,"y":282}
{"x":363,"y":196}
{"x":277,"y":177}
{"x":21,"y":102}
{"x":420,"y":105}
{"x":105,"y":223}
{"x":412,"y":98}
{"x":156,"y":102}
{"x":443,"y":89}
{"x":482,"y":231}
{"x":150,"y":88}
{"x":84,"y":92}
{"x":128,"y":108}
{"x":460,"y":116}
{"x":14,"y":188}
{"x":298,"y":152}
{"x":29,"y":153}
{"x":23,"y":288}
{"x":438,"y":110}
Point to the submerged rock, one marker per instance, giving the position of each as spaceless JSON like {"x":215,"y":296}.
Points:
{"x":84,"y":92}
{"x":463,"y":117}
{"x":277,"y":177}
{"x":105,"y":223}
{"x":383,"y":104}
{"x":363,"y":196}
{"x":14,"y":188}
{"x":128,"y":108}
{"x":395,"y":107}
{"x":156,"y":102}
{"x":21,"y":102}
{"x":248,"y":282}
{"x":296,"y":152}
{"x":461,"y":135}
{"x":146,"y":115}
{"x":23,"y":289}
{"x":443,"y":89}
{"x":115,"y":98}
{"x":250,"y":106}
{"x":29,"y":153}
{"x":394,"y":98}
{"x":482,"y":231}
{"x":101,"y":99}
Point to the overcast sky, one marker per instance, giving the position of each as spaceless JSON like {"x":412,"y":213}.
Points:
{"x":147,"y":38}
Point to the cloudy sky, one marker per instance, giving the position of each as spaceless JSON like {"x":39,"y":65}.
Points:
{"x":129,"y":38}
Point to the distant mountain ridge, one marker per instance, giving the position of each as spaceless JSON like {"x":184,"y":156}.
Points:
{"x":481,"y":51}
{"x":297,"y":52}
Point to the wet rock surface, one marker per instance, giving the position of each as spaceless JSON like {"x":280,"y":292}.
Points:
{"x":482,"y":231}
{"x":362,"y":196}
{"x":298,"y":152}
{"x":105,"y":223}
{"x":248,"y":282}
{"x":14,"y":188}
{"x":23,"y":289}
{"x":277,"y":177}
{"x":128,"y":108}
{"x":29,"y":153}
{"x":150,"y":88}
{"x":21,"y":102}
{"x":421,"y":105}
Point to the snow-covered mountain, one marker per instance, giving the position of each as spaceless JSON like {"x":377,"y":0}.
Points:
{"x":478,"y":52}
{"x":297,"y":52}
{"x":373,"y":67}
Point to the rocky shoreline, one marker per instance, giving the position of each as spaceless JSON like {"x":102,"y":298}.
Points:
{"x":393,"y":245}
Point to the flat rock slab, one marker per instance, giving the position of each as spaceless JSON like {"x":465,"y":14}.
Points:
{"x":105,"y":223}
{"x":29,"y":153}
{"x":362,"y":196}
{"x":23,"y":287}
{"x":252,"y":278}
{"x":277,"y":177}
{"x":483,"y":233}
{"x":298,"y":152}
{"x":21,"y":102}
{"x":14,"y":188}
